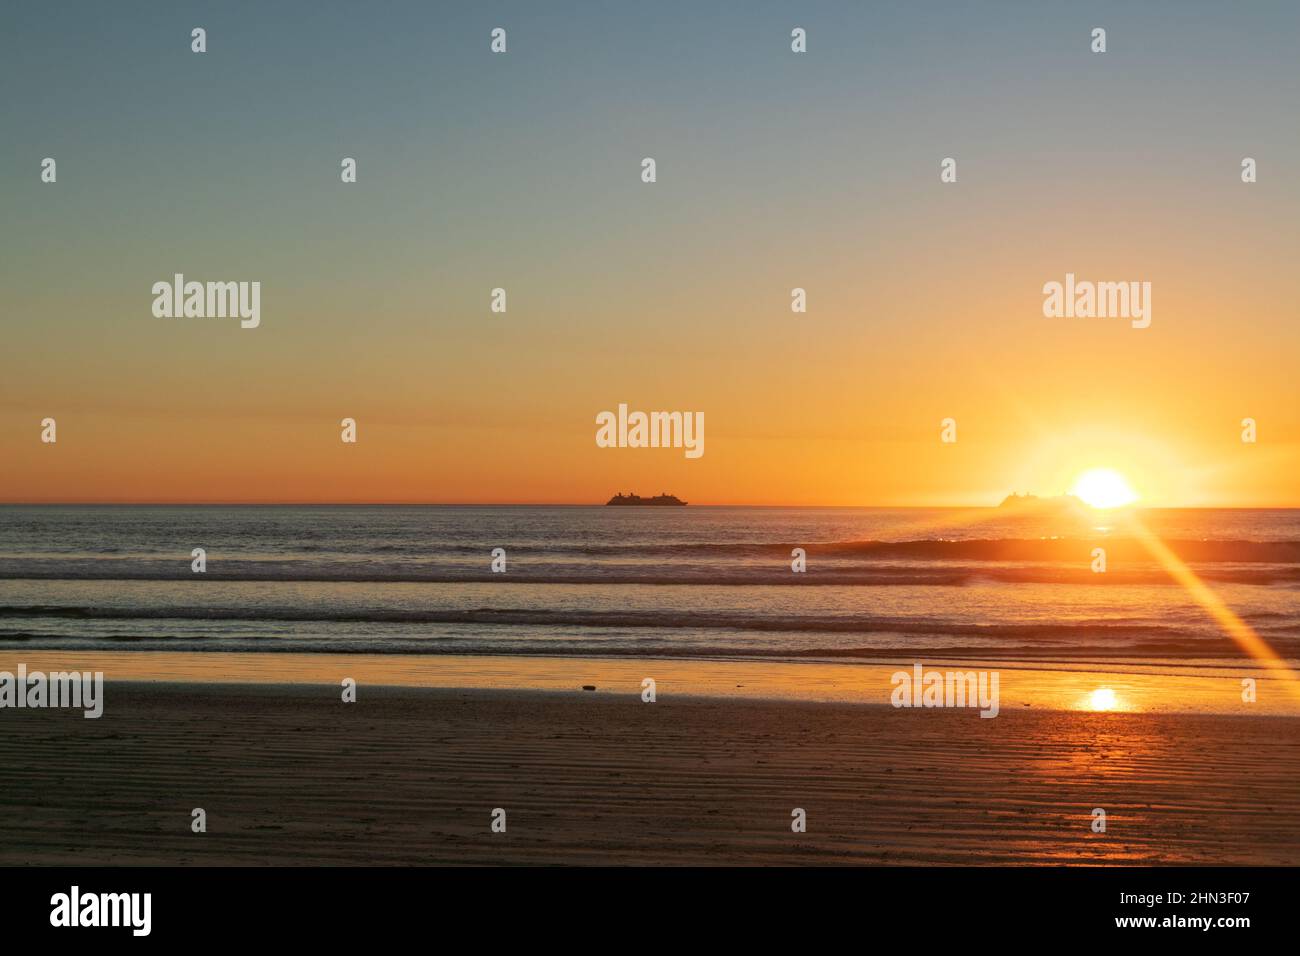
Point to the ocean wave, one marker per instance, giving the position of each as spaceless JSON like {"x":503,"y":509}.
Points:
{"x":777,"y":574}
{"x":1065,"y":548}
{"x":1158,"y":651}
{"x":577,"y":618}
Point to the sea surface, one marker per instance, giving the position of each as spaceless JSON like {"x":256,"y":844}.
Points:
{"x":673,"y":582}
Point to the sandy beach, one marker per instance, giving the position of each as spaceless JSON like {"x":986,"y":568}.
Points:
{"x":290,"y":775}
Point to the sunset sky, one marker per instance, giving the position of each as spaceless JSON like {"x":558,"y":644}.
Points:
{"x":775,"y":170}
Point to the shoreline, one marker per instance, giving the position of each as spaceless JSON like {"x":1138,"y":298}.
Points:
{"x":1023,"y":685}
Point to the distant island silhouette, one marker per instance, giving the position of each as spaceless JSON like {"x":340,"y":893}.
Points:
{"x":657,"y":500}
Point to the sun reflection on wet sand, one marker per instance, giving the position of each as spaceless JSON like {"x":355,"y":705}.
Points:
{"x":1067,"y":687}
{"x":1103,"y":698}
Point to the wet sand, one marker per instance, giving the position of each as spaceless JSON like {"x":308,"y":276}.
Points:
{"x":288,"y":774}
{"x":1053,"y":685}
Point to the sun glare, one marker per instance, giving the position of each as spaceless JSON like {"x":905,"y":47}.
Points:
{"x":1103,"y":698}
{"x":1103,"y":488}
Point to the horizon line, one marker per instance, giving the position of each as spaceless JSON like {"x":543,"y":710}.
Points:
{"x":582,"y":504}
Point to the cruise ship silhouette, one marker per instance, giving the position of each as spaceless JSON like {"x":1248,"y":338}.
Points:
{"x":629,"y":499}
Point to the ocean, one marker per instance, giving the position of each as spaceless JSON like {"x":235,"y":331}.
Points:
{"x":711,"y":582}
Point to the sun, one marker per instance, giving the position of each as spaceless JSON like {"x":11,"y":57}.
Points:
{"x":1103,"y":488}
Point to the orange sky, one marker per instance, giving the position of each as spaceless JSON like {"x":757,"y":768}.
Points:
{"x":840,"y":406}
{"x":924,"y":298}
